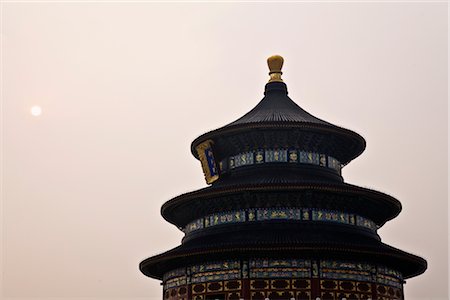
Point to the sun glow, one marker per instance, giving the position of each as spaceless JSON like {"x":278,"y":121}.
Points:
{"x":36,"y":110}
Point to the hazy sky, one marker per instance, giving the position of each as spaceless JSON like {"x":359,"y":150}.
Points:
{"x":125,"y":87}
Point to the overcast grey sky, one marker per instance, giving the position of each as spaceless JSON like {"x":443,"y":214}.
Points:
{"x":125,"y":87}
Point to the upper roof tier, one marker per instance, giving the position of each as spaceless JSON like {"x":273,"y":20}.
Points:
{"x":277,"y":122}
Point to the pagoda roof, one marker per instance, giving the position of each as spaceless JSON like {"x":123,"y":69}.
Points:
{"x":277,"y":108}
{"x":278,"y":125}
{"x":276,"y":111}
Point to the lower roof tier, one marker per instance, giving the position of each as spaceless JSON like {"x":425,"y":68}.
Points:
{"x":342,"y":197}
{"x":369,"y":251}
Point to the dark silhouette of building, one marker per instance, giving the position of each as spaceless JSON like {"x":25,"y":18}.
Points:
{"x":278,"y":221}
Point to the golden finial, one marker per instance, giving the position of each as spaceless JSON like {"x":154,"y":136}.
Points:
{"x":275,"y":63}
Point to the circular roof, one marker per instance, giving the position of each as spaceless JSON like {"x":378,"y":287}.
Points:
{"x":276,"y":111}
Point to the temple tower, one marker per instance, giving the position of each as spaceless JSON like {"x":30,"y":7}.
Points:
{"x":278,"y":221}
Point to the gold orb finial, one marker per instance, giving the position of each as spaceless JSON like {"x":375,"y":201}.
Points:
{"x":275,"y":63}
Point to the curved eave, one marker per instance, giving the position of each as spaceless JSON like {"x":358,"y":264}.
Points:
{"x":205,"y":193}
{"x":353,"y":144}
{"x":408,"y":264}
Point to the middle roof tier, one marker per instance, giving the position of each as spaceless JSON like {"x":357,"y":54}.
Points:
{"x":373,"y":205}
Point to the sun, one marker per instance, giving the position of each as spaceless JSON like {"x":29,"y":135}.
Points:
{"x":36,"y":110}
